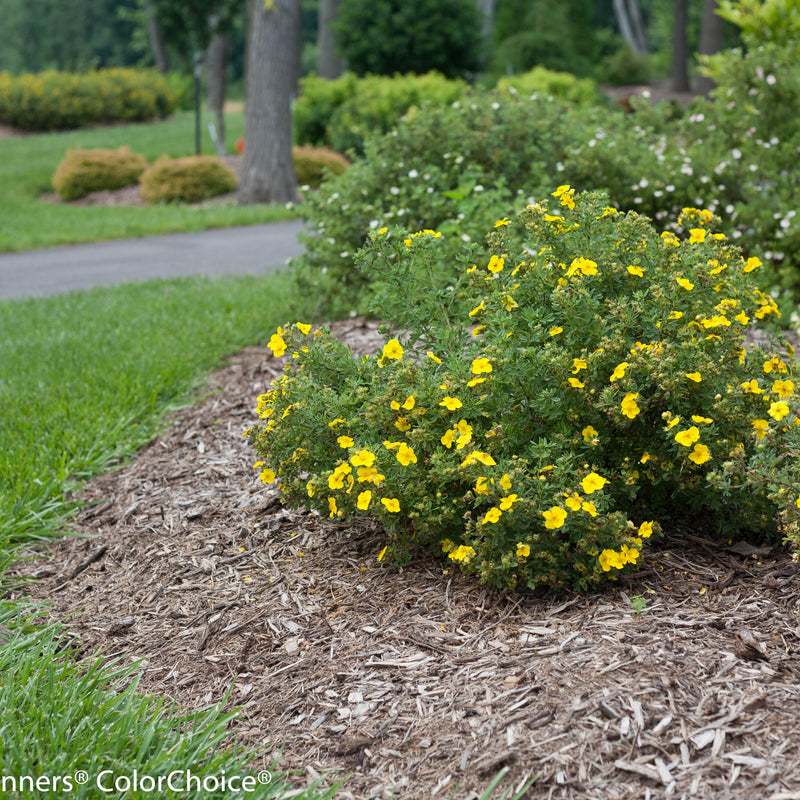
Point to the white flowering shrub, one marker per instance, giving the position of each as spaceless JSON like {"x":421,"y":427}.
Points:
{"x":585,"y":380}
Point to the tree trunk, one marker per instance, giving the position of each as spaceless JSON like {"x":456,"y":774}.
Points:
{"x":486,"y":7}
{"x":216,"y":65}
{"x":268,"y":173}
{"x":156,"y":36}
{"x":329,"y":65}
{"x":635,"y":16}
{"x":710,"y":40}
{"x":625,"y":25}
{"x":680,"y":48}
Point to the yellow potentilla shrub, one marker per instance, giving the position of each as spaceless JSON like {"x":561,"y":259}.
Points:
{"x":185,"y":180}
{"x":544,"y":459}
{"x":83,"y":171}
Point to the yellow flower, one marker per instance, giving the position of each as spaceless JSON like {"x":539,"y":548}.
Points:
{"x":688,"y":437}
{"x":584,"y":265}
{"x":675,"y":314}
{"x":645,"y":458}
{"x":694,"y":376}
{"x":451,"y":403}
{"x":778,"y":410}
{"x":363,"y":458}
{"x":362,"y":504}
{"x":589,"y":508}
{"x":496,"y":264}
{"x":369,"y":475}
{"x":482,"y":486}
{"x":475,"y":381}
{"x":402,"y":424}
{"x":464,"y":434}
{"x":277,"y":345}
{"x":448,"y":545}
{"x":628,"y":555}
{"x":311,"y":489}
{"x":492,"y":515}
{"x":505,"y":483}
{"x":556,"y":330}
{"x":433,"y":357}
{"x":334,"y":422}
{"x":392,"y":349}
{"x":697,"y":235}
{"x":685,"y":284}
{"x":478,"y":308}
{"x":392,"y":504}
{"x":783,"y":389}
{"x":646,"y":530}
{"x":635,"y":269}
{"x":448,"y":439}
{"x":575,"y":383}
{"x":480,"y":365}
{"x":619,"y":371}
{"x":476,"y":456}
{"x":577,"y":365}
{"x":589,"y":434}
{"x":761,"y":427}
{"x":344,"y":441}
{"x":383,"y":231}
{"x":700,"y":454}
{"x":629,"y":406}
{"x":303,"y":328}
{"x":610,"y":558}
{"x":462,"y":553}
{"x":593,"y":483}
{"x":507,"y":503}
{"x":774,"y":365}
{"x":267,"y":476}
{"x":501,"y":223}
{"x":573,"y":501}
{"x":554,"y":518}
{"x":382,"y":553}
{"x":332,"y":506}
{"x":565,"y":195}
{"x":405,"y":455}
{"x":752,"y":387}
{"x":751,"y":264}
{"x":523,"y":550}
{"x":698,"y":418}
{"x":742,"y":318}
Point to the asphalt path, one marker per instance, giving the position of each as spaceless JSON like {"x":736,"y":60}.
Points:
{"x":249,"y":250}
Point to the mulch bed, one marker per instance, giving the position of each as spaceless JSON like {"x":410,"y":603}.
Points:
{"x":418,"y":681}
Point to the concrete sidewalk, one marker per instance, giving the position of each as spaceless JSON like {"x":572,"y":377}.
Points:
{"x":250,"y":250}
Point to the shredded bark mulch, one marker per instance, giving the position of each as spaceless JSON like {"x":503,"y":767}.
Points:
{"x":417,"y":681}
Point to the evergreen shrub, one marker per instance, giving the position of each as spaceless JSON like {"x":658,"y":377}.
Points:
{"x":599,"y":385}
{"x":313,"y":165}
{"x":84,"y":171}
{"x":185,"y":180}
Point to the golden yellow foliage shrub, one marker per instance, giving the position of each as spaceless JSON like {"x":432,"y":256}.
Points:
{"x":187,"y":180}
{"x":84,"y":171}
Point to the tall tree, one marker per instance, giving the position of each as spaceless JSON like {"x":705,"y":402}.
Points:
{"x":155,"y":33}
{"x":680,"y":48}
{"x":216,"y":64}
{"x":710,"y":40}
{"x":273,"y":45}
{"x":329,"y":63}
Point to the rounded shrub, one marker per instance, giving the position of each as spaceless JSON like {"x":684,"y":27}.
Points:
{"x":313,"y":165}
{"x":84,"y":171}
{"x":584,"y":381}
{"x":185,"y":180}
{"x":540,"y":80}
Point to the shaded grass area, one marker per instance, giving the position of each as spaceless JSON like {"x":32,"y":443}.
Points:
{"x":27,"y":164}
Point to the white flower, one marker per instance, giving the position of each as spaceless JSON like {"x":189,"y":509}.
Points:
{"x":394,"y":190}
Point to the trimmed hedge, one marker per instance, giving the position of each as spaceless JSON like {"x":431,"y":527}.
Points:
{"x":84,"y":171}
{"x":53,"y":100}
{"x":313,"y":165}
{"x":187,"y":180}
{"x":557,"y":84}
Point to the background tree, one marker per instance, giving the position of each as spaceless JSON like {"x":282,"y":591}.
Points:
{"x":387,"y":36}
{"x":680,"y":48}
{"x":711,"y":37}
{"x":273,"y":56}
{"x":329,"y":63}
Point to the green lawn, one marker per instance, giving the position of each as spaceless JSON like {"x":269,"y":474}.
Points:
{"x":27,"y":164}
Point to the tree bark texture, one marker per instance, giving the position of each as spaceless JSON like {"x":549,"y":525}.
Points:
{"x":710,"y":40}
{"x":329,"y":65}
{"x":156,"y":36}
{"x":680,"y":48}
{"x":273,"y":40}
{"x":487,"y":7}
{"x":216,"y":65}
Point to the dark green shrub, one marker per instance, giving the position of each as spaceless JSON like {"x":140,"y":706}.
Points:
{"x":582,"y":380}
{"x":342,"y":113}
{"x":60,"y":100}
{"x":84,"y":171}
{"x":384,"y":37}
{"x":313,"y":165}
{"x":186,"y":180}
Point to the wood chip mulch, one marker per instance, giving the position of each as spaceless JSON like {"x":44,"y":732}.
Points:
{"x":418,"y":682}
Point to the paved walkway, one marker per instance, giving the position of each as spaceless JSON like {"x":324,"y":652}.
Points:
{"x":250,"y":250}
